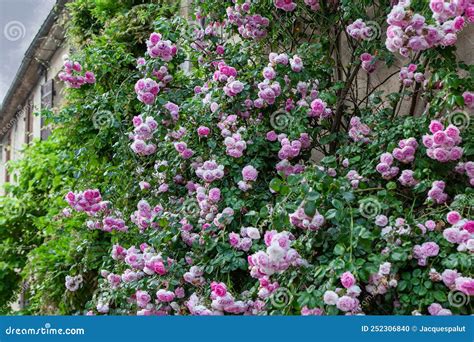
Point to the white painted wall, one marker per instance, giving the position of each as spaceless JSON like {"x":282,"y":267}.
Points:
{"x":18,"y":123}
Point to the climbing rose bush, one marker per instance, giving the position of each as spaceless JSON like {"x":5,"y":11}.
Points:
{"x":266,"y":183}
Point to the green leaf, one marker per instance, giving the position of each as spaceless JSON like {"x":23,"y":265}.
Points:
{"x":440,"y":296}
{"x":339,"y":249}
{"x":310,"y":208}
{"x":275,"y":184}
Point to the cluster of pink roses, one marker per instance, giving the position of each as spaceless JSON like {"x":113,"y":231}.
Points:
{"x":444,"y":10}
{"x":358,"y":131}
{"x":286,"y":5}
{"x":319,"y":109}
{"x":407,"y":178}
{"x":235,"y":145}
{"x":301,"y":220}
{"x":210,"y":171}
{"x":224,"y":72}
{"x":408,"y":75}
{"x":143,"y":132}
{"x":348,"y":302}
{"x":73,"y":283}
{"x":405,"y":152}
{"x":173,"y":110}
{"x":436,"y":193}
{"x":442,"y":143}
{"x":423,"y":252}
{"x":399,"y":228}
{"x":143,"y":301}
{"x":228,"y":125}
{"x":108,"y":224}
{"x":290,"y":5}
{"x":224,"y":218}
{"x":89,"y":201}
{"x":244,"y":240}
{"x":380,"y":282}
{"x":278,"y":257}
{"x":163,"y":75}
{"x":369,"y":62}
{"x":144,"y":216}
{"x":223,"y":301}
{"x":429,"y":225}
{"x":182,"y":148}
{"x":409,"y":32}
{"x":468,"y":169}
{"x":268,"y":92}
{"x":249,"y":175}
{"x":71,"y":75}
{"x":159,"y":48}
{"x":233,"y":87}
{"x":455,"y":281}
{"x":296,"y":63}
{"x":165,"y":296}
{"x":354,"y":177}
{"x":146,"y":90}
{"x":249,"y":26}
{"x":385,"y":167}
{"x":360,"y":31}
{"x":287,"y":169}
{"x":435,"y":309}
{"x":266,"y":287}
{"x":207,"y":201}
{"x":461,"y":232}
{"x":194,"y":276}
{"x":289,"y":149}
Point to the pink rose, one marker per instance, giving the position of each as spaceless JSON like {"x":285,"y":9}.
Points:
{"x":453,"y":217}
{"x":435,"y":126}
{"x":219,"y":289}
{"x":469,"y":226}
{"x":465,"y":285}
{"x":347,"y":279}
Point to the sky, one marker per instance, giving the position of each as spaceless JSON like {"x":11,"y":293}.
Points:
{"x":20,"y":20}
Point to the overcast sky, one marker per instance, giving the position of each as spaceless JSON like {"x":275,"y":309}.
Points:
{"x":20,"y":20}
